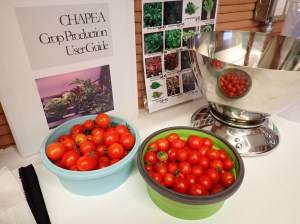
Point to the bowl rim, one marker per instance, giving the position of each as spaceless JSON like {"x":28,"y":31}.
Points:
{"x":91,"y":174}
{"x":185,"y":198}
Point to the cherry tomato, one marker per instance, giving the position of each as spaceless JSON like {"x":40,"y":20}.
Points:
{"x":193,"y":156}
{"x":191,"y":178}
{"x":116,"y":151}
{"x":197,"y":190}
{"x":202,"y":150}
{"x":162,"y":156}
{"x":89,"y":124}
{"x":150,"y":158}
{"x":216,"y":164}
{"x":163,"y":144}
{"x":110,"y":138}
{"x":86,"y":162}
{"x":172,"y":136}
{"x":212,"y":154}
{"x":97,"y":139}
{"x":182,"y":154}
{"x":168,"y":179}
{"x":227,"y":178}
{"x":157,"y":177}
{"x":185,"y":168}
{"x":80,"y":138}
{"x":153,"y":146}
{"x":70,"y":158}
{"x":228,"y":164}
{"x":76,"y":128}
{"x":208,"y":142}
{"x":172,"y":154}
{"x":127,"y":140}
{"x":222,"y":154}
{"x":197,"y":170}
{"x":102,"y":120}
{"x":103,"y":162}
{"x":213,"y":174}
{"x":121,"y":129}
{"x":160,"y":168}
{"x":173,"y":167}
{"x":204,"y":162}
{"x":64,"y":137}
{"x":180,"y":185}
{"x":55,"y":151}
{"x":177,"y":143}
{"x":205,"y":181}
{"x":69,"y":143}
{"x":195,"y":142}
{"x":86,"y":146}
{"x":97,"y":131}
{"x":101,"y":150}
{"x":217,"y":188}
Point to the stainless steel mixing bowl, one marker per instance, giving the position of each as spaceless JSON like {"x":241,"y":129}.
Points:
{"x":270,"y":67}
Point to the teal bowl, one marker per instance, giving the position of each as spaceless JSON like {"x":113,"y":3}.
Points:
{"x":95,"y":182}
{"x":185,"y":206}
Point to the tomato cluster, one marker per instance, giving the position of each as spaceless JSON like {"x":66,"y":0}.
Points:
{"x":191,"y":166}
{"x":95,"y":144}
{"x":216,"y":64}
{"x":234,"y":83}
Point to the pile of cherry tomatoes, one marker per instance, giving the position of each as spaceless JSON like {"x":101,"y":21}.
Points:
{"x":234,"y":83}
{"x":189,"y":166}
{"x":216,"y":64}
{"x":95,"y":144}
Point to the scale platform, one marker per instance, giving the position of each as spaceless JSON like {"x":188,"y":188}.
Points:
{"x":252,"y":141}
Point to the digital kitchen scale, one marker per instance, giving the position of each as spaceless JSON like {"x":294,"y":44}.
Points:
{"x":248,"y":141}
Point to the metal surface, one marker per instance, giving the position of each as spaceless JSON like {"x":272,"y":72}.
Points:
{"x":271,"y":62}
{"x":247,"y":141}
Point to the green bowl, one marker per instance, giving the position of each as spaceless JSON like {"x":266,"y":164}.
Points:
{"x":185,"y":206}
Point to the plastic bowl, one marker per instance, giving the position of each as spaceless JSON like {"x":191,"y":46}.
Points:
{"x":185,"y":206}
{"x":95,"y":182}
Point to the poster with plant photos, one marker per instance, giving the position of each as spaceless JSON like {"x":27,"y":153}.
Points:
{"x":165,"y":27}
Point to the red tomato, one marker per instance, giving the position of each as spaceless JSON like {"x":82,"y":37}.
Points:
{"x":172,"y":154}
{"x":180,"y":185}
{"x":55,"y":151}
{"x":216,"y":165}
{"x":157,"y":177}
{"x":86,"y":162}
{"x":217,"y":188}
{"x":69,"y":143}
{"x":202,"y":150}
{"x":172,"y":136}
{"x":222,"y":154}
{"x":205,"y":181}
{"x":227,"y":178}
{"x":178,"y":143}
{"x":204,"y":162}
{"x":102,"y":120}
{"x":89,"y":124}
{"x":86,"y":146}
{"x":76,"y":128}
{"x":64,"y":137}
{"x":110,"y":138}
{"x":116,"y":151}
{"x":127,"y":140}
{"x":103,"y":162}
{"x":185,"y":168}
{"x":191,"y":178}
{"x":101,"y":150}
{"x":193,"y":156}
{"x":153,"y":146}
{"x":121,"y":129}
{"x":70,"y":158}
{"x":97,"y":139}
{"x":197,"y":190}
{"x":208,"y":142}
{"x":163,"y":144}
{"x":168,"y":179}
{"x":212,"y":154}
{"x":98,"y":131}
{"x":160,"y":168}
{"x":197,"y":170}
{"x":173,"y":167}
{"x":228,"y":164}
{"x":162,"y":156}
{"x":213,"y":174}
{"x":150,"y":158}
{"x":194,"y":142}
{"x":182,"y":154}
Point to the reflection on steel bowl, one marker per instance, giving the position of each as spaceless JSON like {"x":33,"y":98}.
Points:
{"x":271,"y":61}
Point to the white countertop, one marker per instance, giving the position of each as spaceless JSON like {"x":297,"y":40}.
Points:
{"x":268,"y":194}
